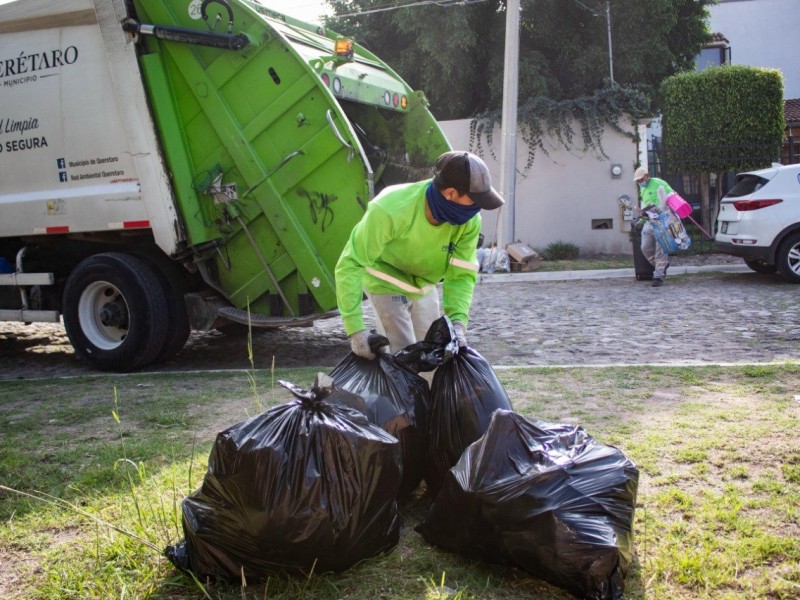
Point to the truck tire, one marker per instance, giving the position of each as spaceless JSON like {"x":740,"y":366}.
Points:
{"x":115,"y":312}
{"x":178,"y":325}
{"x":788,"y":259}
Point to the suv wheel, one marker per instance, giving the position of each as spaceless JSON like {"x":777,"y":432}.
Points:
{"x":761,"y":267}
{"x":788,"y":260}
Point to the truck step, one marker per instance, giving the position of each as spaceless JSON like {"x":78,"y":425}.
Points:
{"x":20,"y":279}
{"x":238,"y":315}
{"x":30,"y":316}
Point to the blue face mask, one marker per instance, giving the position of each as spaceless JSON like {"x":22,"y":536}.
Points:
{"x":445,"y":211}
{"x":642,"y":184}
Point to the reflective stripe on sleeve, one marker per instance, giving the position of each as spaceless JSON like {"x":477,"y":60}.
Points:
{"x":457,"y":262}
{"x":406,"y":287}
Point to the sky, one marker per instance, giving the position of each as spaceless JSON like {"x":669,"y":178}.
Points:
{"x":306,"y":10}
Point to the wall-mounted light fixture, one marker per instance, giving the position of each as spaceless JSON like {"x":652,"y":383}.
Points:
{"x":616,"y":170}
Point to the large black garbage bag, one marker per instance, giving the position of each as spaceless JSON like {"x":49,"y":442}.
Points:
{"x":549,"y":499}
{"x":305,"y":486}
{"x":396,"y":400}
{"x":465,"y":392}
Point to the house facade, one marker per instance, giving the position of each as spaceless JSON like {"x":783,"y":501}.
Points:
{"x":761,"y":33}
{"x":566,"y":196}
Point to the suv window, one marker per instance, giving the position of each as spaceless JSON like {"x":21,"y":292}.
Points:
{"x":746,"y":186}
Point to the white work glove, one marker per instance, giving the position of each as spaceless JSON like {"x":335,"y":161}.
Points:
{"x":359,"y":344}
{"x":461,"y":333}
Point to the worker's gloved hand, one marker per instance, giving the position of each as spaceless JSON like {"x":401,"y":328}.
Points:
{"x":639,"y":225}
{"x":461,"y":333}
{"x":359,"y":344}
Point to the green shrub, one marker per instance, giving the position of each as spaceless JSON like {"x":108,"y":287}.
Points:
{"x":561,"y":251}
{"x":723,"y":118}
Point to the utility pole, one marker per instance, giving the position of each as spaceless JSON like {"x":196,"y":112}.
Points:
{"x":508,"y":154}
{"x":610,"y":52}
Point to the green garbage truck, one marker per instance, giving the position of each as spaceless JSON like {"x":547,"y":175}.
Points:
{"x":179,"y":165}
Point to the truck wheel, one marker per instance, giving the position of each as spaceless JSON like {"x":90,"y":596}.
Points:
{"x":115,"y":312}
{"x":788,"y":259}
{"x":178,"y":325}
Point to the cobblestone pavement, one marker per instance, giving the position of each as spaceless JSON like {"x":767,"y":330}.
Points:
{"x":711,"y":317}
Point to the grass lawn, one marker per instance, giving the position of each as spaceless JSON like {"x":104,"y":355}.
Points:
{"x":718,"y":513}
{"x":586,"y":264}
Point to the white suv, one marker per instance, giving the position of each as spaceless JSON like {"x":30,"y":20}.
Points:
{"x":759,"y":220}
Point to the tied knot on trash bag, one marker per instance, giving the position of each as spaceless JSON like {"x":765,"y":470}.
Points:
{"x":309,"y":485}
{"x":314,"y":397}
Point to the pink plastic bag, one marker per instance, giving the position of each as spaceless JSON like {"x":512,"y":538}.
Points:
{"x":682,"y":208}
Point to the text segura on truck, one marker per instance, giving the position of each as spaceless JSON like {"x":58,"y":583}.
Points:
{"x":170,"y":165}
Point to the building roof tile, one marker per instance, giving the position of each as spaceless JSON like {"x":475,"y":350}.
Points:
{"x":791,"y":110}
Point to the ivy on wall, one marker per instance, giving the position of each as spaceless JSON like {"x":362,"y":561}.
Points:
{"x":543,"y":118}
{"x":723,"y":118}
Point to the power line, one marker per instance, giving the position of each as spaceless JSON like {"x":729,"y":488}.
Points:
{"x":591,"y":10}
{"x":441,"y":3}
{"x":608,"y":28}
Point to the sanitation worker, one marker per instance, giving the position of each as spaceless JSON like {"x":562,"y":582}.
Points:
{"x":413,"y":236}
{"x":650,"y":200}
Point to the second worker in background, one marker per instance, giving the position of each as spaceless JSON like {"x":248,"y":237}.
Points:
{"x":649,"y":199}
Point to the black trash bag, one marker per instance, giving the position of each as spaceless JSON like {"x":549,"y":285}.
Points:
{"x":465,"y":392}
{"x":548,"y":499}
{"x":305,"y":486}
{"x":439,"y":346}
{"x":396,"y":400}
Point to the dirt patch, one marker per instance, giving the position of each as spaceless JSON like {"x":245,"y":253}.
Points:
{"x":19,"y":569}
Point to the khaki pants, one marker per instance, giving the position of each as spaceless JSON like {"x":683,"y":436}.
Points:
{"x":653,"y":252}
{"x":402,"y":319}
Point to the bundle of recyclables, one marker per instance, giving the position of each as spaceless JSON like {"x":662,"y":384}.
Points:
{"x":669,"y":231}
{"x":666,"y":221}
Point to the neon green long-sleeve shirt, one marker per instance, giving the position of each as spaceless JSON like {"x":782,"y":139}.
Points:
{"x":394,"y":249}
{"x":649,"y":193}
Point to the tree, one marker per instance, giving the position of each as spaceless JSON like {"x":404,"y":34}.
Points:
{"x":454,"y":52}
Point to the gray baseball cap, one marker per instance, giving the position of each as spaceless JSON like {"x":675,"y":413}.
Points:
{"x":469,"y":175}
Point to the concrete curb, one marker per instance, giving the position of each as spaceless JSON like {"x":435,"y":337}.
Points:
{"x":602,"y":274}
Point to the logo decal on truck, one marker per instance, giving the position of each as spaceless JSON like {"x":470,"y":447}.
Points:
{"x":20,"y":69}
